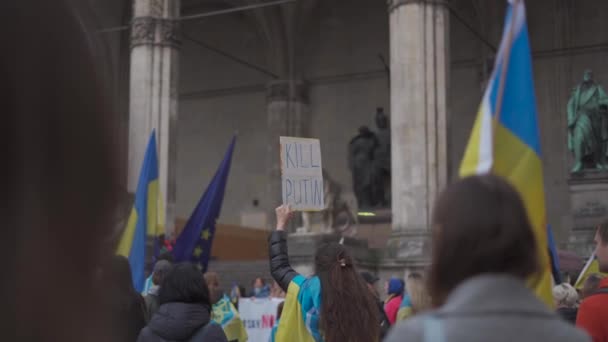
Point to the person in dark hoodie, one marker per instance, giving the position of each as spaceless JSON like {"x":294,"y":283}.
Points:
{"x":184,"y":313}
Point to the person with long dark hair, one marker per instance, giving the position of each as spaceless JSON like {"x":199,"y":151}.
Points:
{"x":337,"y":304}
{"x":122,"y":302}
{"x":185,"y":310}
{"x":484,"y":250}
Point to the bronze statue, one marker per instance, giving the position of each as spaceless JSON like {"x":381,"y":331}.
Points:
{"x":382,"y":161}
{"x":587,"y":124}
{"x":360,"y":161}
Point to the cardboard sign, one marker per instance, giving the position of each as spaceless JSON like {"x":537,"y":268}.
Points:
{"x":302,"y":173}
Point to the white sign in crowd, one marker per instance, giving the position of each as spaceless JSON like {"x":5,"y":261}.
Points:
{"x":258,"y":316}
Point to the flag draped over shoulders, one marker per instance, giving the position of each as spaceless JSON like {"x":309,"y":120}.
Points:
{"x":225,"y":314}
{"x":505,"y":137}
{"x":143,"y":218}
{"x":300,"y":317}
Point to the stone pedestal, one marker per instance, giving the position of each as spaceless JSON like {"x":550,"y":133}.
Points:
{"x":589,"y":208}
{"x":288,"y":114}
{"x":153,"y":96}
{"x":419,"y":52}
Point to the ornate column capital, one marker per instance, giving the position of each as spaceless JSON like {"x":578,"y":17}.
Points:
{"x":394,"y":4}
{"x":142,"y":31}
{"x":288,"y":90}
{"x":155,"y":31}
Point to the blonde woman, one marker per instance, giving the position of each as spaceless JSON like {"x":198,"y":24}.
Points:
{"x":417,"y":298}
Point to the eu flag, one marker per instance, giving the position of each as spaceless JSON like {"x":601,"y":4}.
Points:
{"x":194,"y":243}
{"x":143,"y":218}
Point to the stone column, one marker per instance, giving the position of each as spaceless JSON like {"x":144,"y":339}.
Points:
{"x":419,"y":56}
{"x":288,"y":115}
{"x":153,"y":95}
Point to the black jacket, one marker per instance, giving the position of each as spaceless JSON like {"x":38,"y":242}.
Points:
{"x":569,"y":314}
{"x":280,"y":269}
{"x":182,"y":322}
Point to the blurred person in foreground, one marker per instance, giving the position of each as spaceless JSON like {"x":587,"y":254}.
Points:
{"x":593,"y":311}
{"x":483,"y":252}
{"x":125,"y":305}
{"x":334,"y":305}
{"x":161,"y":268}
{"x":591,"y":285}
{"x":566,"y":300}
{"x":371,"y":281}
{"x":223,"y":312}
{"x":416,"y":298}
{"x":394,"y":291}
{"x":185,"y":310}
{"x":60,"y":174}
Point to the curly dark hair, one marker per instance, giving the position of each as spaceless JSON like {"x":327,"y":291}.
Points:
{"x":348,"y":309}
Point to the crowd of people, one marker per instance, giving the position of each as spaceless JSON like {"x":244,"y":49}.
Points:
{"x":59,"y":187}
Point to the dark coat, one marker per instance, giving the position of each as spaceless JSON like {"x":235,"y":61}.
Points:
{"x":280,"y":269}
{"x":569,"y":314}
{"x":182,"y":322}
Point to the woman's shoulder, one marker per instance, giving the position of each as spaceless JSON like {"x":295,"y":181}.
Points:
{"x":411,"y":330}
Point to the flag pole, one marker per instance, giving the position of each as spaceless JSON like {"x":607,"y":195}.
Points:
{"x":503,"y":71}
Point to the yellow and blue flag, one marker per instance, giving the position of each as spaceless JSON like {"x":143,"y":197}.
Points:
{"x":143,"y":218}
{"x":592,"y":266}
{"x":194,"y":243}
{"x":225,"y":314}
{"x":505,"y":137}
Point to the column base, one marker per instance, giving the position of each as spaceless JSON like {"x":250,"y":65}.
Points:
{"x":409,"y":249}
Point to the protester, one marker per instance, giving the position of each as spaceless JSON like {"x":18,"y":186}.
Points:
{"x":591,"y":284}
{"x":184,"y":313}
{"x":566,"y":299}
{"x":593,"y":312}
{"x":416,"y":299}
{"x":161,"y":268}
{"x":167,"y":256}
{"x":260,"y":289}
{"x":483,"y":252}
{"x":371,"y":281}
{"x":124,"y":304}
{"x":223,"y":312}
{"x":395,"y":296}
{"x":273,"y":333}
{"x":337,"y":305}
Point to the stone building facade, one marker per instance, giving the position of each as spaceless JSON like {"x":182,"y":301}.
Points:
{"x":315,"y":68}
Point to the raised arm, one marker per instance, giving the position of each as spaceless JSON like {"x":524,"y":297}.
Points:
{"x":280,"y":269}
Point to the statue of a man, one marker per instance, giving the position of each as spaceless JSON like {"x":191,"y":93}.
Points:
{"x":382,"y":160}
{"x":587,"y":130}
{"x":360,"y":161}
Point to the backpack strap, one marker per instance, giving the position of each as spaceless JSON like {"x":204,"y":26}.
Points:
{"x":603,"y":290}
{"x":433,"y":329}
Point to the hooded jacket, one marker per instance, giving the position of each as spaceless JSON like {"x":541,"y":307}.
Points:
{"x":182,"y":322}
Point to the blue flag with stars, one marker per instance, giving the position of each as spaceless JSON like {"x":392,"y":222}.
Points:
{"x":194,"y":243}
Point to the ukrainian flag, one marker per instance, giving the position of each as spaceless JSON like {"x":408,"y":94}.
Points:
{"x":592,"y":266}
{"x":143,"y":219}
{"x":505,"y":137}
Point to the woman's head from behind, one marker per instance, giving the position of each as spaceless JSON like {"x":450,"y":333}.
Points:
{"x":349,"y":310}
{"x":480,"y":226}
{"x":184,"y":284}
{"x":565,"y":296}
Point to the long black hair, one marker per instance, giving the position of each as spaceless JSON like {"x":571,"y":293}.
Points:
{"x":348,"y":309}
{"x":184,"y":284}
